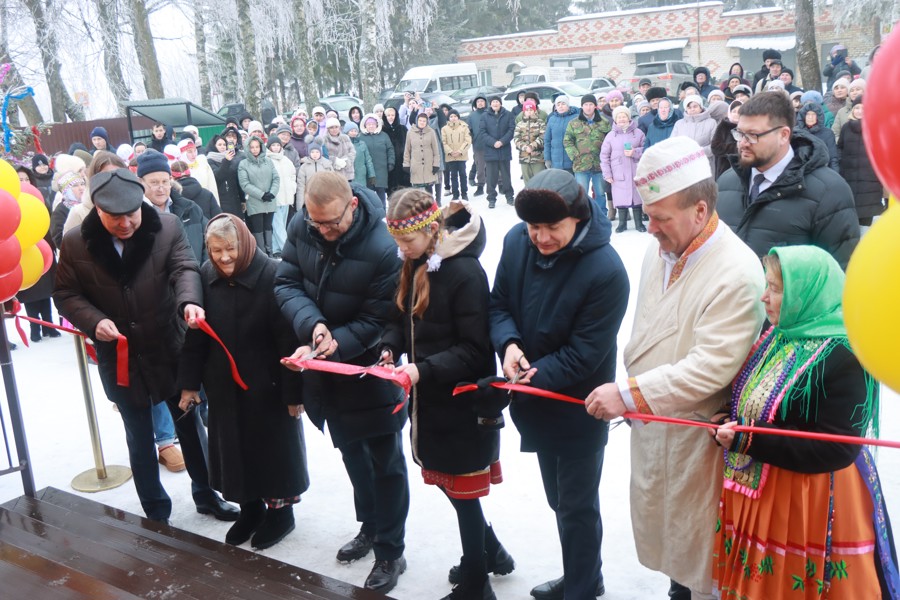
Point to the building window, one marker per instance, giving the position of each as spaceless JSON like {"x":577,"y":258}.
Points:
{"x":484,"y":77}
{"x":659,"y":55}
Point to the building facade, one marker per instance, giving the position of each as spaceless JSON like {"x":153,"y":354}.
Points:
{"x":610,"y":44}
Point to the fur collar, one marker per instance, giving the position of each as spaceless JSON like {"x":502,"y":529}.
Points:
{"x":137,"y":249}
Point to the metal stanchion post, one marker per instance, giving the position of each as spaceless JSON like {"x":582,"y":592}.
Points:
{"x":102,"y":477}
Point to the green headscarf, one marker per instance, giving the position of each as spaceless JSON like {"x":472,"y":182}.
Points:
{"x":813,"y":289}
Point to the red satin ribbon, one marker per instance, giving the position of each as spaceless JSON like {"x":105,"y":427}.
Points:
{"x":337,"y":368}
{"x":122,"y":361}
{"x":208,"y":330}
{"x":809,"y":435}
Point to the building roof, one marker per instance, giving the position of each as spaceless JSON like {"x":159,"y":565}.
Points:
{"x":654,"y":46}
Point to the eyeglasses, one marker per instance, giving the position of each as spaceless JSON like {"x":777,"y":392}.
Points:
{"x":158,"y":185}
{"x":751,"y":138}
{"x":329,"y":224}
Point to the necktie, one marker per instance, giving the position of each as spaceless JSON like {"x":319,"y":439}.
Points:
{"x":754,"y":190}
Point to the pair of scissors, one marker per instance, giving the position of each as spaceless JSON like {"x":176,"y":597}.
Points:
{"x":315,"y":353}
{"x":520,"y":371}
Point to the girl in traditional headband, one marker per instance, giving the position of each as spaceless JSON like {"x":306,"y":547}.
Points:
{"x":442,"y":326}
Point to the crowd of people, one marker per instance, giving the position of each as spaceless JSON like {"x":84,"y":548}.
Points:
{"x":315,"y":239}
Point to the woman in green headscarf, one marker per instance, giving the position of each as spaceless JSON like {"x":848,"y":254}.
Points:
{"x":802,"y":518}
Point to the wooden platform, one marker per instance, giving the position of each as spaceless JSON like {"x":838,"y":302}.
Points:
{"x":63,"y":546}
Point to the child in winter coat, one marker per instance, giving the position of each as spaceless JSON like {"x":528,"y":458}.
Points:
{"x":422,"y":156}
{"x":619,"y":156}
{"x":309,"y":166}
{"x":457,"y":139}
{"x":259,"y":180}
{"x":363,"y":167}
{"x":339,"y":149}
{"x":529,"y":140}
{"x":284,"y":199}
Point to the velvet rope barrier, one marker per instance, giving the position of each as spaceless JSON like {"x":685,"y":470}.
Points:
{"x":809,"y":435}
{"x":337,"y":368}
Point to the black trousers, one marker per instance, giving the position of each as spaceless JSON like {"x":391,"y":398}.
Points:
{"x":497,"y":171}
{"x":476,"y":174}
{"x":260,"y":222}
{"x":377,"y":469}
{"x":456,"y":171}
{"x":572,"y":489}
{"x":40,"y":309}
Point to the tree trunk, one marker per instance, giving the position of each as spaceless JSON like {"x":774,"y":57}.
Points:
{"x":304,"y":57}
{"x":108,"y":16}
{"x":28,"y":106}
{"x":248,"y":59}
{"x":146,"y":51}
{"x":369,"y":59}
{"x":202,"y":62}
{"x":807,"y":49}
{"x":60,"y":101}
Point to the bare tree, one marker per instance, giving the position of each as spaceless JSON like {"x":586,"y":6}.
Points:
{"x":248,"y":59}
{"x":807,"y":49}
{"x":28,"y":106}
{"x":200,"y":10}
{"x":146,"y":50}
{"x":61,"y":102}
{"x":369,"y":56}
{"x":108,"y":14}
{"x":304,"y":36}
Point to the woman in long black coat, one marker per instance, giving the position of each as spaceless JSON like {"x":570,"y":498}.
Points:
{"x":397,"y":177}
{"x":441,"y":323}
{"x":257,"y":455}
{"x":856,"y":168}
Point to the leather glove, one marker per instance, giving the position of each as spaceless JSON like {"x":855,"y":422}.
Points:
{"x":371,"y":182}
{"x":489,"y":403}
{"x":406,"y":170}
{"x":268,"y":197}
{"x":435,"y":170}
{"x":548,"y":164}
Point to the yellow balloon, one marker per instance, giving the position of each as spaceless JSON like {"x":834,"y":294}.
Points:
{"x":35,"y":220}
{"x":9,"y":179}
{"x":32,"y":264}
{"x":871,"y":297}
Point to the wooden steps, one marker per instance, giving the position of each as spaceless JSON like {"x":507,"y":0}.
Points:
{"x":62,"y":546}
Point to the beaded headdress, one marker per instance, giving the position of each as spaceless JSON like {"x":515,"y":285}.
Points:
{"x":414,"y":222}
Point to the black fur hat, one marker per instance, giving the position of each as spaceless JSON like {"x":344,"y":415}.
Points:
{"x":551,"y":196}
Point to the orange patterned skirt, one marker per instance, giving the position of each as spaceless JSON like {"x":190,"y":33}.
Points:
{"x":468,"y":486}
{"x":775,"y":547}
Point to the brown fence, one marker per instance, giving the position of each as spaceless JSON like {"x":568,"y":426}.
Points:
{"x":63,"y":135}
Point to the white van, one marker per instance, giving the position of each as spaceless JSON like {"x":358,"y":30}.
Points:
{"x":439,"y":78}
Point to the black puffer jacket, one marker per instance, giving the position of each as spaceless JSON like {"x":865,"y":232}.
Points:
{"x":820,"y":131}
{"x":858,"y":171}
{"x":809,"y":204}
{"x":564,"y":311}
{"x":192,"y":190}
{"x":349,"y":285}
{"x":231,"y":196}
{"x":451,"y":344}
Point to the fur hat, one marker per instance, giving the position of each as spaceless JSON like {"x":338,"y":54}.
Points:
{"x":656,"y":92}
{"x":150,"y":161}
{"x":332,"y":122}
{"x":118,"y":192}
{"x":669,"y":167}
{"x":551,"y":196}
{"x":771,"y":55}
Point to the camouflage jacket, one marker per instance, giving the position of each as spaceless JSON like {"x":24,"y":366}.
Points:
{"x":583,"y":141}
{"x":530,"y":132}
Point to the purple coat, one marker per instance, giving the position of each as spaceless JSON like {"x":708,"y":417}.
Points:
{"x":620,"y":168}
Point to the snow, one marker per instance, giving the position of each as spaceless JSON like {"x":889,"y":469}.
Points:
{"x":60,"y":448}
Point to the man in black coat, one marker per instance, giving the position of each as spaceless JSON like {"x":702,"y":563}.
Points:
{"x":780,"y":191}
{"x":559,"y":297}
{"x":768,"y":56}
{"x":129,"y":270}
{"x":495,"y":133}
{"x":476,"y":173}
{"x":336,"y":285}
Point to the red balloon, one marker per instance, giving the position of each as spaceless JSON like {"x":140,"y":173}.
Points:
{"x":10,"y":214}
{"x":46,"y":254}
{"x":10,"y":284}
{"x":881,"y":120}
{"x":10,"y":254}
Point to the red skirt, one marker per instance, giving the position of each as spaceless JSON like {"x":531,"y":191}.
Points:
{"x":468,"y":485}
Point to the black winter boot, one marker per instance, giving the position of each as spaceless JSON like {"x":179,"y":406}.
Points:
{"x":496,"y":559}
{"x":623,"y":220}
{"x":278,"y":523}
{"x":267,"y":241}
{"x":473,"y":584}
{"x":639,"y":219}
{"x":252,"y":515}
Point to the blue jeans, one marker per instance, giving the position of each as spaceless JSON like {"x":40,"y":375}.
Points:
{"x":144,"y":467}
{"x":589,"y":179}
{"x":163,"y":425}
{"x":572,"y":489}
{"x":279,"y":228}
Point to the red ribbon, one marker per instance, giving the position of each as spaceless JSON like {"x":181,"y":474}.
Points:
{"x":208,"y":330}
{"x":809,"y":435}
{"x":396,"y":377}
{"x":122,"y":361}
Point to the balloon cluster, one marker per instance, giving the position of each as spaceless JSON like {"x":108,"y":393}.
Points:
{"x":872,"y":289}
{"x":24,"y":221}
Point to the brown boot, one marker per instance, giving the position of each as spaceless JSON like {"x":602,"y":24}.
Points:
{"x":611,"y":210}
{"x":170,"y":457}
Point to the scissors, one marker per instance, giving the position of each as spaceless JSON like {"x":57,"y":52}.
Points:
{"x":520,"y":371}
{"x":188,"y":411}
{"x":316,"y":341}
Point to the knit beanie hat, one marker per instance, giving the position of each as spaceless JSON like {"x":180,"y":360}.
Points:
{"x":858,"y":84}
{"x":152,"y":161}
{"x":332,"y":122}
{"x":717,"y":93}
{"x":100,"y":132}
{"x":693,"y":98}
{"x":588,"y":98}
{"x":68,"y":179}
{"x":615,"y":94}
{"x":314,"y":146}
{"x":840,"y":83}
{"x":619,"y":110}
{"x":284,"y":128}
{"x":350,"y":127}
{"x":39,"y":159}
{"x":274,"y":140}
{"x":551,"y":196}
{"x":669,"y":167}
{"x":255,"y":126}
{"x":776,"y":85}
{"x":742,"y":89}
{"x":529,"y":105}
{"x":811,"y":96}
{"x":125,"y":152}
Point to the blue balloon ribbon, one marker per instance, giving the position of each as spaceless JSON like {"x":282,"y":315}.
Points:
{"x":7,"y":131}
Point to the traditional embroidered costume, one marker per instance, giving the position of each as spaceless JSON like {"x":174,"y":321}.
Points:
{"x":803,"y":518}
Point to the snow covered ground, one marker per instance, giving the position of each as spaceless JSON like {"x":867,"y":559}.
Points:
{"x":60,"y":448}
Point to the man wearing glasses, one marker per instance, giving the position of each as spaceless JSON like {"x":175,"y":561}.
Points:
{"x":336,"y":286}
{"x":780,"y":191}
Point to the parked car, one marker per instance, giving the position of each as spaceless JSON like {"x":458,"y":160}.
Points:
{"x":341,"y":104}
{"x":469,"y":94}
{"x":668,"y":74}
{"x":436,"y":99}
{"x":545,"y":92}
{"x":236,"y":109}
{"x":593,"y":83}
